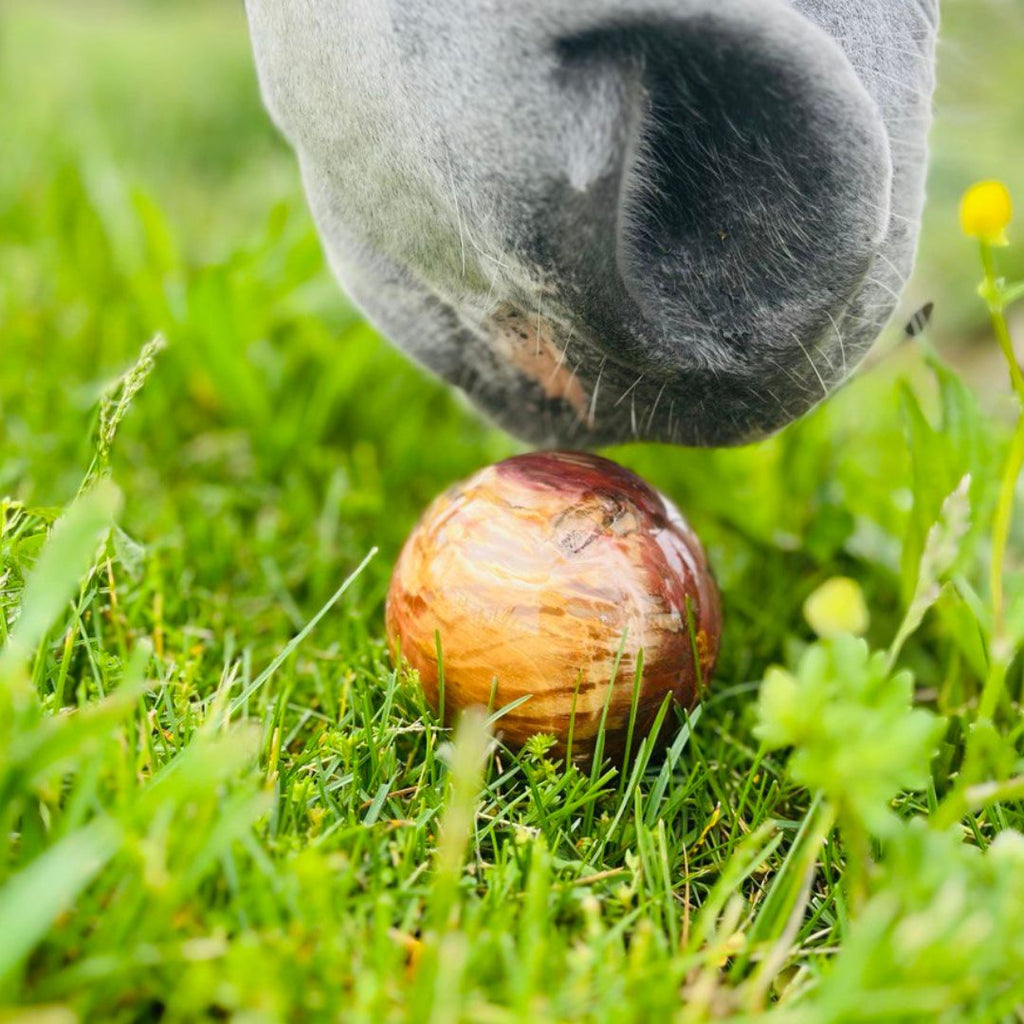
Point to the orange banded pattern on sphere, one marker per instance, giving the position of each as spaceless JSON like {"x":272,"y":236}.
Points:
{"x":536,"y":572}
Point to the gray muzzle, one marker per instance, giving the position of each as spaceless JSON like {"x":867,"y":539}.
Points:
{"x":604,"y":220}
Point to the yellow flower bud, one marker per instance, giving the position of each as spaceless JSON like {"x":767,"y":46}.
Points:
{"x":837,"y":606}
{"x":985,"y":210}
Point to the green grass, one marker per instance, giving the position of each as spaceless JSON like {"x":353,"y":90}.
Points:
{"x":207,"y":812}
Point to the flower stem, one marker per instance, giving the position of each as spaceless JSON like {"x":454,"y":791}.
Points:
{"x":996,"y":308}
{"x":999,"y":655}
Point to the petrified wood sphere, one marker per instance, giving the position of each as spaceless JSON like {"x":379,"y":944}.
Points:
{"x":536,"y":572}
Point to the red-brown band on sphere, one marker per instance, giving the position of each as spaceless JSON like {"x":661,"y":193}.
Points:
{"x":532,"y":571}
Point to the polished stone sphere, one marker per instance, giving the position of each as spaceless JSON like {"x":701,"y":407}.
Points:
{"x":546,"y":575}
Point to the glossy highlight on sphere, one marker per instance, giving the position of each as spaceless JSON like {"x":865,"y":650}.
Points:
{"x":533,"y":571}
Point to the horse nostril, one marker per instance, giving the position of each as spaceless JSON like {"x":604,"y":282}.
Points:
{"x":754,"y":193}
{"x":747,"y":199}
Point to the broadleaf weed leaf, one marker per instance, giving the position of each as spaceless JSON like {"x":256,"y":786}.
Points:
{"x":856,"y":736}
{"x":946,"y":928}
{"x":942,"y":548}
{"x":959,"y":445}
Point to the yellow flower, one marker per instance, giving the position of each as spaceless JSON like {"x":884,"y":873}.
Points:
{"x":837,"y":606}
{"x":985,"y":211}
